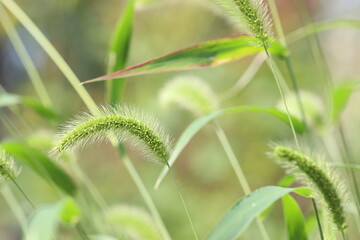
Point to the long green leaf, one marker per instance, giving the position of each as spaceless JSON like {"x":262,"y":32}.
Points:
{"x":46,"y":220}
{"x":7,"y":100}
{"x":205,"y":54}
{"x":294,"y":218}
{"x":238,"y":218}
{"x":321,"y":27}
{"x":340,"y":97}
{"x":195,"y":126}
{"x":42,"y":165}
{"x":118,"y":52}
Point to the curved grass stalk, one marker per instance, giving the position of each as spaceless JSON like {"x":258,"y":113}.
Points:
{"x":319,"y":179}
{"x":63,"y":66}
{"x":42,"y":92}
{"x":51,"y":51}
{"x":125,"y":125}
{"x":238,"y":171}
{"x":25,"y":58}
{"x":146,"y":196}
{"x":271,"y":65}
{"x":15,"y":207}
{"x":245,"y":79}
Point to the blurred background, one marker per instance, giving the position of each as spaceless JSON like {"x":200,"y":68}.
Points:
{"x":81,"y":30}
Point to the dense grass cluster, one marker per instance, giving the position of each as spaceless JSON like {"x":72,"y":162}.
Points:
{"x":35,"y":141}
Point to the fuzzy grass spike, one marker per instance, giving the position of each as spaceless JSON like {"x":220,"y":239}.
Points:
{"x":319,"y":178}
{"x":190,"y":93}
{"x":8,"y":169}
{"x":127,"y":124}
{"x":250,"y":15}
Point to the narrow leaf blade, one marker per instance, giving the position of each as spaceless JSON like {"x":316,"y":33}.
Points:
{"x":294,"y":218}
{"x":46,"y":219}
{"x":199,"y":123}
{"x":42,"y":165}
{"x":238,"y":218}
{"x":8,"y":100}
{"x":321,"y":27}
{"x":340,"y":97}
{"x":118,"y":51}
{"x":211,"y":53}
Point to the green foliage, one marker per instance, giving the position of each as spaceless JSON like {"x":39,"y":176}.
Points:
{"x":319,"y":177}
{"x":199,"y":123}
{"x":8,"y":100}
{"x":46,"y":220}
{"x":294,"y":218}
{"x":8,"y":169}
{"x":118,"y":51}
{"x":245,"y":211}
{"x":41,"y":165}
{"x":340,"y":97}
{"x":207,"y":54}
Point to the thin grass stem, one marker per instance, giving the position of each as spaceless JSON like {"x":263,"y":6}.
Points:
{"x":84,"y":95}
{"x":245,"y":78}
{"x":14,"y":207}
{"x":23,"y":193}
{"x":182,"y":199}
{"x":146,"y":196}
{"x":238,"y":171}
{"x":343,"y":235}
{"x":271,"y":65}
{"x":51,"y":51}
{"x":25,"y":58}
{"x":317,"y":219}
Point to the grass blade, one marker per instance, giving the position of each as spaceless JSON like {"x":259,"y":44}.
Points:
{"x":195,"y":127}
{"x":211,"y":53}
{"x":51,"y":51}
{"x":42,"y":165}
{"x":46,"y":220}
{"x":238,"y":218}
{"x":8,"y":100}
{"x":294,"y":219}
{"x":340,"y":97}
{"x":321,"y":27}
{"x":118,"y":51}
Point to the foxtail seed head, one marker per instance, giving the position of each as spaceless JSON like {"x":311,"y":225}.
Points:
{"x":125,"y":123}
{"x":318,"y":177}
{"x":190,"y":93}
{"x":250,"y":15}
{"x":8,"y":169}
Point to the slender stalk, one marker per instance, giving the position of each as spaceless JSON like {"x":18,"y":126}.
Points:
{"x":146,"y":196}
{"x":51,"y":51}
{"x":182,"y":199}
{"x":317,"y":218}
{"x":350,"y":157}
{"x":343,"y":235}
{"x":8,"y":124}
{"x":81,"y":231}
{"x":245,"y":78}
{"x":271,"y":65}
{"x":289,"y":65}
{"x":84,"y":95}
{"x":320,"y":57}
{"x":23,"y":193}
{"x":24,"y":58}
{"x":89,"y":185}
{"x":14,"y":206}
{"x":238,"y":171}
